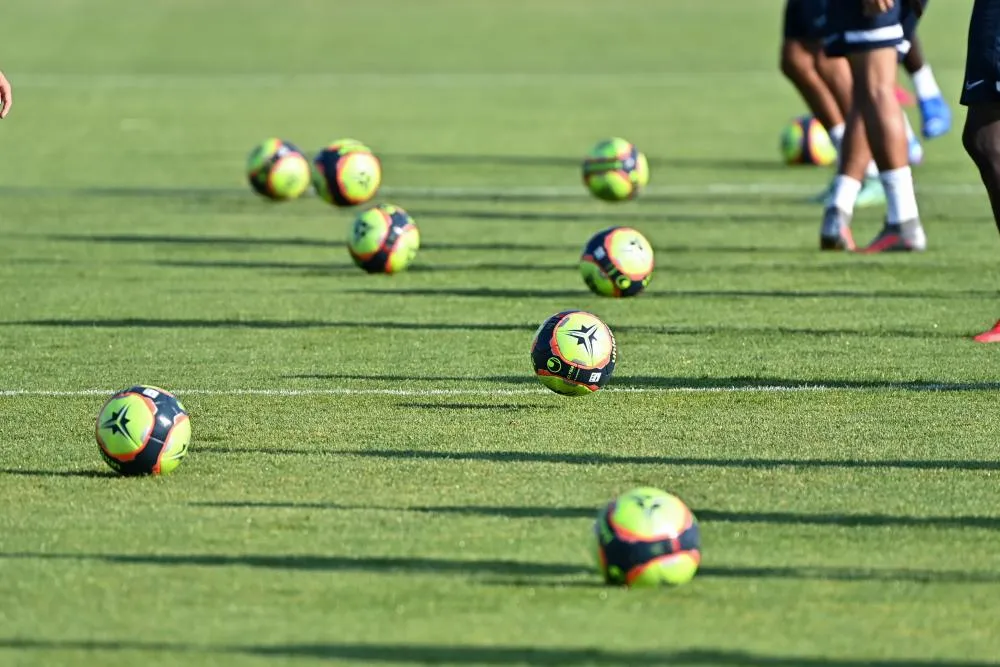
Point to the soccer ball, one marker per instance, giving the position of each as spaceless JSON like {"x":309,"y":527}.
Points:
{"x":278,"y":170}
{"x":383,"y":239}
{"x":805,"y":141}
{"x":617,"y":262}
{"x":644,"y":538}
{"x":615,"y":170}
{"x":143,"y":431}
{"x":346,"y":173}
{"x":574,"y":353}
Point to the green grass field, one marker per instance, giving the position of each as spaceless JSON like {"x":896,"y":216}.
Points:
{"x":375,"y":476}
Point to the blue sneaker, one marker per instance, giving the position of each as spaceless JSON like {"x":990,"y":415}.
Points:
{"x":935,"y":117}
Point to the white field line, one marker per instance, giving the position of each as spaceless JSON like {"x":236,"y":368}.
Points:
{"x":347,"y":391}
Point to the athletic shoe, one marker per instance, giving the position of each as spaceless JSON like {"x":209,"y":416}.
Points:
{"x":991,"y":336}
{"x":835,"y":233}
{"x":872,"y":194}
{"x":901,"y":237}
{"x":935,"y":117}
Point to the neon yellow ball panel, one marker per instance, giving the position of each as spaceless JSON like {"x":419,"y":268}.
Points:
{"x":583,"y":340}
{"x":290,"y":176}
{"x":278,"y":170}
{"x":124,"y":425}
{"x":617,"y":262}
{"x":368,"y":232}
{"x":648,"y":513}
{"x":615,"y":170}
{"x":359,"y":176}
{"x":647,"y":537}
{"x":405,"y":250}
{"x":176,"y":446}
{"x":574,"y":353}
{"x":143,"y":430}
{"x":805,"y":141}
{"x":383,"y":239}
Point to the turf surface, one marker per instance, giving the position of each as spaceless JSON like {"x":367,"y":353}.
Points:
{"x":397,"y":488}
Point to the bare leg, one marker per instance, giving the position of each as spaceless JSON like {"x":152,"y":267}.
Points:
{"x":836,"y":73}
{"x":875,"y":92}
{"x":798,"y":64}
{"x":981,"y":138}
{"x":914,"y":60}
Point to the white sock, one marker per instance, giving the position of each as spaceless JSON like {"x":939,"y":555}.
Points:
{"x":924,"y":83}
{"x":845,"y":193}
{"x":910,"y":136}
{"x":837,"y":135}
{"x":871,"y":171}
{"x":901,"y":200}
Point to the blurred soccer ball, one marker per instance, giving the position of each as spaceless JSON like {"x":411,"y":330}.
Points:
{"x":615,"y":170}
{"x":383,"y":239}
{"x":805,"y":142}
{"x":346,"y":173}
{"x":143,"y":431}
{"x":646,"y":537}
{"x":617,"y":262}
{"x":278,"y":170}
{"x":574,"y":353}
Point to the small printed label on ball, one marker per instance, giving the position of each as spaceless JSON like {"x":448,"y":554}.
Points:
{"x":594,"y":377}
{"x":151,"y":393}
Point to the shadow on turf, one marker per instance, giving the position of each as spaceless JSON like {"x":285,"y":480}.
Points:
{"x":100,"y":474}
{"x":494,"y":327}
{"x":603,"y":217}
{"x":319,"y":268}
{"x":612,"y":459}
{"x":431,"y":654}
{"x":704,"y":515}
{"x":412,"y":565}
{"x":520,"y":572}
{"x":240,"y":241}
{"x":639,"y":382}
{"x":533,"y":293}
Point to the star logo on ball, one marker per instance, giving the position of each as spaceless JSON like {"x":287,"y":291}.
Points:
{"x":118,"y":422}
{"x":361,"y":229}
{"x":586,"y":336}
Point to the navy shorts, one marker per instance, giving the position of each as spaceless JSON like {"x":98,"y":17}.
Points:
{"x":850,"y":31}
{"x":805,"y":20}
{"x":982,"y":64}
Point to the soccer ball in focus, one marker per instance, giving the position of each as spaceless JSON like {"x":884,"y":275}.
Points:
{"x":143,"y":431}
{"x":805,"y":141}
{"x":646,"y":537}
{"x":617,"y":262}
{"x":346,"y":173}
{"x":574,"y":353}
{"x":383,"y":239}
{"x":615,"y":170}
{"x":278,"y":170}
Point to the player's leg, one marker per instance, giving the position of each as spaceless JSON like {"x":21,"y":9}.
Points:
{"x":870,"y":45}
{"x":799,"y":47}
{"x":981,"y":94}
{"x":836,"y":72}
{"x":798,"y":64}
{"x":935,"y":114}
